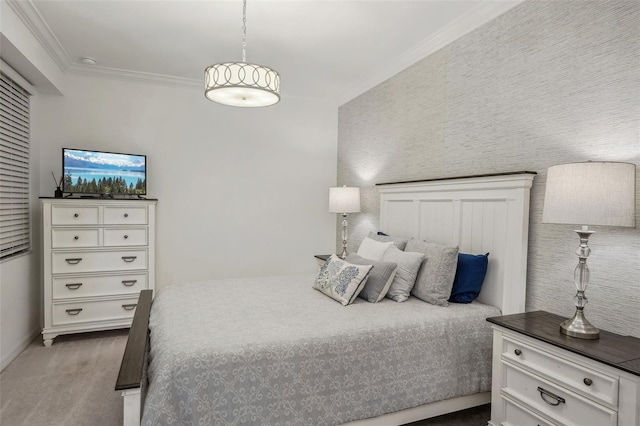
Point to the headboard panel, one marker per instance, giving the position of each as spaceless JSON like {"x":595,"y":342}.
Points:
{"x":478,"y":214}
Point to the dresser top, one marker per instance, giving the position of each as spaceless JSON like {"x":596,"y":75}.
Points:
{"x":622,"y":352}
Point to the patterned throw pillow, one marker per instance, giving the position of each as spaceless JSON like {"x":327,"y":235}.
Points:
{"x":435,"y":278}
{"x":340,"y":280}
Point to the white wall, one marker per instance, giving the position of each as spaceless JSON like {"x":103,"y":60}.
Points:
{"x":20,"y":288}
{"x":242,"y":192}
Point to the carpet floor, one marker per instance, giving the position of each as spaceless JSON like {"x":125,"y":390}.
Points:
{"x":71,"y":383}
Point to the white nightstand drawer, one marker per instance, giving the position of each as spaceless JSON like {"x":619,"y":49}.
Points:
{"x":516,"y":415}
{"x":96,"y":261}
{"x":554,"y":401}
{"x":75,"y":215}
{"x":81,"y":312}
{"x":70,"y":238}
{"x":589,"y":383}
{"x":125,"y":237}
{"x":104,"y":285}
{"x":125,"y":215}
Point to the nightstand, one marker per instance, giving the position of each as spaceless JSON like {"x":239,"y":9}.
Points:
{"x":321,"y":259}
{"x":542,"y":377}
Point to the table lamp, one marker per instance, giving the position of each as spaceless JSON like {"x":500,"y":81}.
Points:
{"x":591,"y":193}
{"x":344,"y":200}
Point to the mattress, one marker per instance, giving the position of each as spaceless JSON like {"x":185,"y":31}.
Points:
{"x":274,"y":351}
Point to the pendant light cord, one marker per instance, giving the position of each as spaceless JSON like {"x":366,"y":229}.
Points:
{"x":244,"y":31}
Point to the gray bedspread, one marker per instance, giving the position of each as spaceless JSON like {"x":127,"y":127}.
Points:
{"x":273,"y":351}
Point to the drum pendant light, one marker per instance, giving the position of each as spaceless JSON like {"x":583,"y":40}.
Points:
{"x":239,"y":83}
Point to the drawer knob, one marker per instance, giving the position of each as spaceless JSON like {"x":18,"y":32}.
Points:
{"x":126,"y":236}
{"x":73,"y":286}
{"x":549,"y":397}
{"x":587,"y":381}
{"x":76,"y":238}
{"x":73,"y":261}
{"x":74,"y":311}
{"x":129,"y":307}
{"x":76,"y":215}
{"x":518,"y":352}
{"x":129,"y":283}
{"x":129,"y":259}
{"x":126,"y":215}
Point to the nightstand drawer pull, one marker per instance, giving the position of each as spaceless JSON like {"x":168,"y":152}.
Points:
{"x":75,"y":237}
{"x":126,"y":236}
{"x":587,"y":381}
{"x":73,"y":261}
{"x":73,"y":286}
{"x":76,"y":215}
{"x":129,"y":283}
{"x":129,"y":307}
{"x":518,"y":352}
{"x":129,"y":259}
{"x":73,"y":311}
{"x":544,"y":392}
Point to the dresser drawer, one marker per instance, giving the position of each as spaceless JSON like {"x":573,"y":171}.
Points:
{"x":125,"y":215}
{"x":516,"y":415}
{"x":125,"y":237}
{"x":81,"y":312}
{"x":68,"y":287}
{"x":97,"y":261}
{"x":75,"y":215}
{"x":554,"y":401}
{"x":589,"y":383}
{"x":70,"y":238}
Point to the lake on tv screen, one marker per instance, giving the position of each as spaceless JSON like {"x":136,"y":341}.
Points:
{"x":82,"y":177}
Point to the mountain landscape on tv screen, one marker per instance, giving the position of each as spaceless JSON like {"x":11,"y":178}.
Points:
{"x":100,"y":163}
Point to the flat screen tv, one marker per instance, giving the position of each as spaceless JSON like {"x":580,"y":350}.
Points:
{"x":103,"y":173}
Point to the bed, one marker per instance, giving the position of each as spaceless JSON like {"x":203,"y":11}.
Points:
{"x":275,"y":351}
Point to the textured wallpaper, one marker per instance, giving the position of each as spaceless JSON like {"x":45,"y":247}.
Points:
{"x":548,"y":82}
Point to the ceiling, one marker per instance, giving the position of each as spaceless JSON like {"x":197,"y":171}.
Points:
{"x":330,"y":49}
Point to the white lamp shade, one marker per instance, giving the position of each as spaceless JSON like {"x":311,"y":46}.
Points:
{"x":344,"y":199}
{"x":592,"y":193}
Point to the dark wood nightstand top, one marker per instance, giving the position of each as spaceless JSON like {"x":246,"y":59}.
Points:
{"x":618,"y":351}
{"x":322,"y":256}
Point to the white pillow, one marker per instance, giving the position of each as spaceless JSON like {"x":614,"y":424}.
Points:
{"x":374,"y":250}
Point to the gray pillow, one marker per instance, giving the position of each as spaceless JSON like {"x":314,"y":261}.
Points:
{"x":398,"y":242}
{"x":380,"y":277}
{"x":435,"y":279}
{"x":408,"y":266}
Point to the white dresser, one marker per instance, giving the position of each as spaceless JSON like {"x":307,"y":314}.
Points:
{"x":97,"y":256}
{"x":542,"y":377}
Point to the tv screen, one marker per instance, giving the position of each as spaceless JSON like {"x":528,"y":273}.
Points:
{"x":96,"y":172}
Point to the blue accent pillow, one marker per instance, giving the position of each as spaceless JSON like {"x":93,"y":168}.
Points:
{"x":469,"y":277}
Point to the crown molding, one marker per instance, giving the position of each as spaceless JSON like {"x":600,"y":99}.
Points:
{"x":135,"y":76}
{"x":34,"y":22}
{"x":478,"y":16}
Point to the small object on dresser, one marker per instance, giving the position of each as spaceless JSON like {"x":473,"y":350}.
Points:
{"x":58,"y":192}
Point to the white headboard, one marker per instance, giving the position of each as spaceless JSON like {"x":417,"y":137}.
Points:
{"x":484,"y":214}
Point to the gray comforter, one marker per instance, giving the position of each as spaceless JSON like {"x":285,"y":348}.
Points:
{"x":273,"y":351}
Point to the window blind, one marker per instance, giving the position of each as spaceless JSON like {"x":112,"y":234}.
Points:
{"x":15,"y":235}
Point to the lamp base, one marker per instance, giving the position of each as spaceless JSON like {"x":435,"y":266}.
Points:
{"x":579,"y":327}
